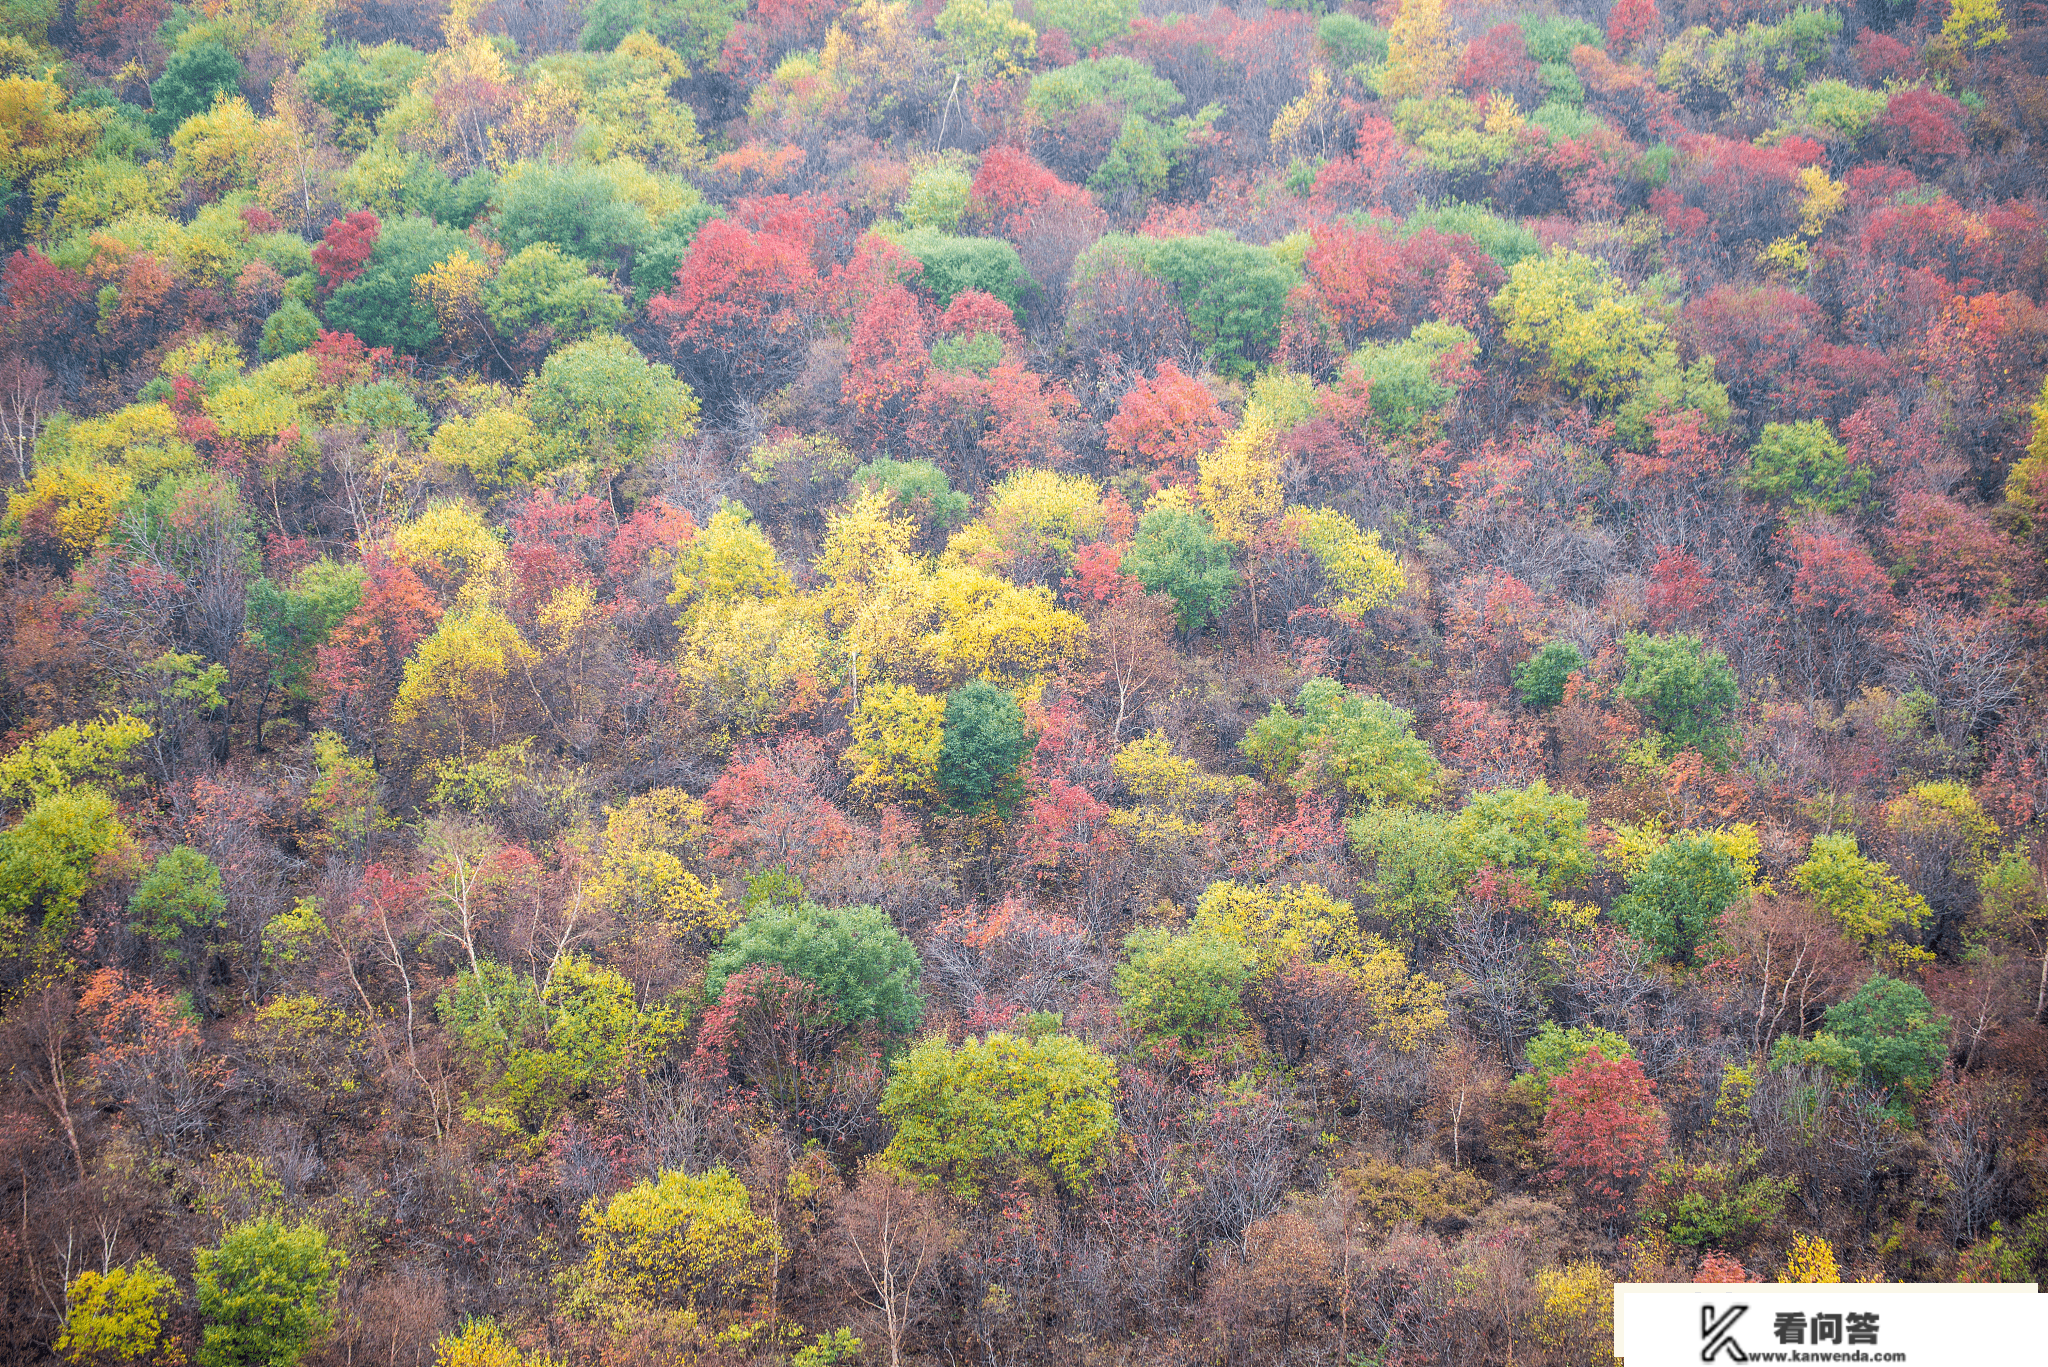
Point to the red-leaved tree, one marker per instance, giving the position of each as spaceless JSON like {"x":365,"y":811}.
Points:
{"x":1165,"y":424}
{"x":1632,"y":21}
{"x":885,"y":365}
{"x":741,"y":314}
{"x":1603,"y":1129}
{"x":1354,"y":271}
{"x":113,"y":33}
{"x":1498,"y":60}
{"x":767,"y":809}
{"x":1008,"y":186}
{"x":363,"y":662}
{"x":345,"y":248}
{"x":1842,"y":601}
{"x":976,"y":311}
{"x":1923,"y":129}
{"x":981,"y":426}
{"x":149,"y":1060}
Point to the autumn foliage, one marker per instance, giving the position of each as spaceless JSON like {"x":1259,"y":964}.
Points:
{"x":799,"y":682}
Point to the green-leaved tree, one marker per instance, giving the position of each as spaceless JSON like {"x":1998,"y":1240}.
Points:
{"x":266,"y":1294}
{"x":984,"y":740}
{"x":1003,"y":1109}
{"x":855,"y":956}
{"x":1187,"y":986}
{"x":1177,"y":553}
{"x":1677,"y":897}
{"x":1894,"y":1032}
{"x":1362,"y":741}
{"x":1685,"y":686}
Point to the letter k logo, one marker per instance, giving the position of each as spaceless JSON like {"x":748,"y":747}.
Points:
{"x":1719,"y":1333}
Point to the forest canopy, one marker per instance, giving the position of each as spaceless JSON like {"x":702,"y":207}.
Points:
{"x":803,"y":683}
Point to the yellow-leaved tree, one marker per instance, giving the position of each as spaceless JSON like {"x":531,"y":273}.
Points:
{"x":1360,"y":573}
{"x":897,"y":733}
{"x":1865,"y":898}
{"x":984,"y":39}
{"x":120,"y":1315}
{"x":577,"y":672}
{"x":1422,"y":52}
{"x":680,"y":1242}
{"x":465,"y":691}
{"x":731,"y":559}
{"x":985,"y":626}
{"x":746,"y":663}
{"x":1157,"y":777}
{"x":1034,"y":520}
{"x":1240,"y":482}
{"x":454,"y":289}
{"x":498,"y":446}
{"x":481,"y":1343}
{"x":1171,"y":839}
{"x":1589,"y":333}
{"x":1278,"y":925}
{"x":1406,"y":1009}
{"x":1240,"y":489}
{"x":1941,"y":841}
{"x":939,"y":628}
{"x":42,"y":136}
{"x":642,"y":873}
{"x":864,"y":542}
{"x":1576,"y":1317}
{"x":2026,"y":484}
{"x":76,"y":752}
{"x":1811,"y":1261}
{"x":452,"y":549}
{"x":76,"y":503}
{"x":634,"y":120}
{"x":1975,"y":23}
{"x":1306,"y":126}
{"x":214,"y":153}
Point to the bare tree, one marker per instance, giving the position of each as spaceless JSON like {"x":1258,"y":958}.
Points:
{"x":577,"y":677}
{"x":44,"y":1024}
{"x":1793,"y":1112}
{"x":1963,"y":664}
{"x":1940,"y":856}
{"x":1972,"y":1134}
{"x":1496,"y":975}
{"x":679,"y":1118}
{"x":1272,"y":1297}
{"x":1133,"y":646}
{"x":1149,"y":1113}
{"x":392,"y":1318}
{"x":1461,"y":1082}
{"x":150,"y":1062}
{"x":1245,"y":1158}
{"x":372,"y":924}
{"x":230,"y":819}
{"x":1393,"y":1084}
{"x":1870,"y":1141}
{"x":1796,"y":962}
{"x":890,"y":1239}
{"x":26,"y":398}
{"x":197,"y":558}
{"x":1609,"y":975}
{"x":461,"y":852}
{"x":1010,"y":953}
